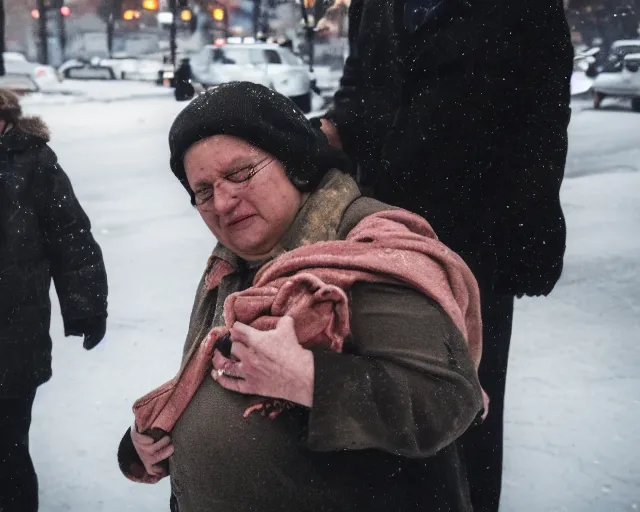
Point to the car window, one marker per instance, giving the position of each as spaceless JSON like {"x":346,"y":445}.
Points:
{"x":290,"y":58}
{"x":272,"y":57}
{"x":626,"y":50}
{"x":237,"y":56}
{"x":257,"y":57}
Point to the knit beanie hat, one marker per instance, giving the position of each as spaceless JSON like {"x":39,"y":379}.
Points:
{"x":263,"y":118}
{"x":10,"y":110}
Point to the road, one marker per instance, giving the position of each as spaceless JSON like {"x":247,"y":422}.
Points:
{"x":573,"y":401}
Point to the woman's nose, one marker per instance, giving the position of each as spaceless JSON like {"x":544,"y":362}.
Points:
{"x":224,"y":200}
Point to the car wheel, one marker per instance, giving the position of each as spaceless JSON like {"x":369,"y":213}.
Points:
{"x":635,"y":104}
{"x":597,"y":99}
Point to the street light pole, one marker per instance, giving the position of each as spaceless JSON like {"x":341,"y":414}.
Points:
{"x":62,"y":31}
{"x":42,"y":30}
{"x":2,"y":43}
{"x":173,"y":6}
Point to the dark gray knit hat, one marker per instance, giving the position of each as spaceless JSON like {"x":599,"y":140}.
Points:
{"x":264,"y":118}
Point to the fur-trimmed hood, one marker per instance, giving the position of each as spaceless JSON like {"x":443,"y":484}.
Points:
{"x":34,"y":126}
{"x":24,"y":134}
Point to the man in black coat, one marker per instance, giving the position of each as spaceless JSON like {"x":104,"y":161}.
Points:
{"x":458,"y":110}
{"x":44,"y":233}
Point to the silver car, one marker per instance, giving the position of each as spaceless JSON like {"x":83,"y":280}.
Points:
{"x":267,"y":64}
{"x":45,"y":77}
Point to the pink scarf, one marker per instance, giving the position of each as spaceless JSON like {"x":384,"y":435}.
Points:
{"x":310,"y":285}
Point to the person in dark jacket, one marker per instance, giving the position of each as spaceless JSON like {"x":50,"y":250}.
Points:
{"x":44,"y":233}
{"x":184,"y":89}
{"x":458,"y":111}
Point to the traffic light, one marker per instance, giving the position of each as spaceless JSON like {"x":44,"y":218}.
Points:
{"x":130,"y":15}
{"x":186,"y":15}
{"x":64,"y":10}
{"x":150,"y":5}
{"x":218,"y":14}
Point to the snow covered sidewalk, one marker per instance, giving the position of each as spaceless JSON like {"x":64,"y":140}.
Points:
{"x":76,"y":91}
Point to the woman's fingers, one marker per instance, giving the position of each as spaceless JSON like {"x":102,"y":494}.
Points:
{"x":157,"y":471}
{"x":141,"y":439}
{"x":286,"y":323}
{"x":231,"y":383}
{"x":240,"y":352}
{"x":162,"y":454}
{"x":242,"y":333}
{"x":162,"y":443}
{"x":220,"y":362}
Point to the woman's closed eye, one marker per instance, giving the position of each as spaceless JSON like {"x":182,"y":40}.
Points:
{"x":248,"y":172}
{"x":203,"y":195}
{"x":244,"y":174}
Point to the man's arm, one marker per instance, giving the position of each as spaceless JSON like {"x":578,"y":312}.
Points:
{"x":346,"y":112}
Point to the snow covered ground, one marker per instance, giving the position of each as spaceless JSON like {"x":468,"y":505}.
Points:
{"x":80,"y":91}
{"x":573,"y":404}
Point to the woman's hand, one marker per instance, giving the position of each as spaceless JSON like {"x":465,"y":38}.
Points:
{"x":151,"y":452}
{"x":331,"y":131}
{"x":267,"y":363}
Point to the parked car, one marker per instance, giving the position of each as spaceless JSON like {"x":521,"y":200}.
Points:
{"x":129,"y":67}
{"x":81,"y":69}
{"x":612,"y":62}
{"x":267,"y":64}
{"x":44,"y":76}
{"x":120,"y":67}
{"x":620,"y":84}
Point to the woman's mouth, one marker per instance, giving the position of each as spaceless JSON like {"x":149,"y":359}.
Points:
{"x":240,"y":222}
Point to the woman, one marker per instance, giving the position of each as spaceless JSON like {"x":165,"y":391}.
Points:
{"x":372,"y":427}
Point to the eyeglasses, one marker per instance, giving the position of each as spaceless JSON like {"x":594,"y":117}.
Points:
{"x":236,"y":179}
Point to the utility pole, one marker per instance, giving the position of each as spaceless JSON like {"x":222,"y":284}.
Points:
{"x":173,"y":6}
{"x":42,"y":31}
{"x":257,"y":10}
{"x":111,"y":19}
{"x":2,"y":43}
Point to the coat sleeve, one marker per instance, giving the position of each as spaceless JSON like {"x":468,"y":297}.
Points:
{"x":346,"y":112}
{"x":531,"y":234}
{"x":405,"y":385}
{"x":76,"y":260}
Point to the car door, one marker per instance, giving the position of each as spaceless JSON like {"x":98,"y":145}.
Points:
{"x":276,"y":68}
{"x":241,"y":63}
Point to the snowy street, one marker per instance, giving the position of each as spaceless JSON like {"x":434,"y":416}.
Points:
{"x":573,"y":398}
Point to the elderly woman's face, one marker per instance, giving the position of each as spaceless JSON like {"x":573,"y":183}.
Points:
{"x":242,"y":194}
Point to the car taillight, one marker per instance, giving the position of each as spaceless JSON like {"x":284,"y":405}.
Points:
{"x":220,"y":41}
{"x":40,"y":72}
